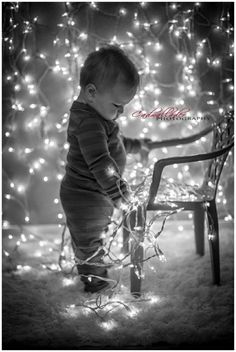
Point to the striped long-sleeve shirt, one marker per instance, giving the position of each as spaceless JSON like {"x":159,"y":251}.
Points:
{"x":97,"y":152}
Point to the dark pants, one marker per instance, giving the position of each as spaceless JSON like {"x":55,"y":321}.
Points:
{"x":88,"y":214}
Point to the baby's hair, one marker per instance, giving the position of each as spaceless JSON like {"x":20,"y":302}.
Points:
{"x":106,"y":66}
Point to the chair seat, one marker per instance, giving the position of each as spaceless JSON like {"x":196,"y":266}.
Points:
{"x":173,"y":191}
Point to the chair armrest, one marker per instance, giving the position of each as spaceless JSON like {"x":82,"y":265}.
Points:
{"x":180,"y":141}
{"x":160,"y":164}
{"x":186,"y":140}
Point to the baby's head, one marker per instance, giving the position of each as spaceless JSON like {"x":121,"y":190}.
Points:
{"x":108,"y":80}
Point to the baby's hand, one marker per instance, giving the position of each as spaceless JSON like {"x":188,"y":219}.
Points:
{"x":145,"y":144}
{"x":126,"y":196}
{"x":145,"y":148}
{"x":117,"y":203}
{"x":124,"y":199}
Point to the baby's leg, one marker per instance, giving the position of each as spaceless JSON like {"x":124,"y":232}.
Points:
{"x":87,"y":228}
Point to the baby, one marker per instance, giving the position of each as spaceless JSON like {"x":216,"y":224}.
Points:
{"x":93,"y":184}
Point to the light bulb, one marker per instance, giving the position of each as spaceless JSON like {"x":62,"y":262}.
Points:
{"x":123,"y":11}
{"x":36,"y":165}
{"x":17,"y":87}
{"x":23,"y":238}
{"x":28,"y":79}
{"x":5,"y":224}
{"x":20,"y":188}
{"x":28,"y":150}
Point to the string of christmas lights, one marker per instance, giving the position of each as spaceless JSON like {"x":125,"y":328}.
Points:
{"x":67,"y":262}
{"x":34,"y":136}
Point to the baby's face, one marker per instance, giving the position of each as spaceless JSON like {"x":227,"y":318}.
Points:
{"x":110,"y":104}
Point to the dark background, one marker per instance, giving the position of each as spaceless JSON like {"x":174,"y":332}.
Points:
{"x":56,"y":91}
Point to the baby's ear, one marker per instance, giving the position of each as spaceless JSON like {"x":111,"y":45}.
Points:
{"x":90,"y":91}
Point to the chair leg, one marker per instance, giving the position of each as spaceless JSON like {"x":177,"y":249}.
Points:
{"x":125,"y":248}
{"x":213,"y":238}
{"x":199,"y":229}
{"x":136,"y":271}
{"x":137,"y":252}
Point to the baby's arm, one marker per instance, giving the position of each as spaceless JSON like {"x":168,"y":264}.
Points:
{"x":134,"y":146}
{"x":92,"y":140}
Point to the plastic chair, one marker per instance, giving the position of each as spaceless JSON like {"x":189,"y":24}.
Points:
{"x":201,"y":200}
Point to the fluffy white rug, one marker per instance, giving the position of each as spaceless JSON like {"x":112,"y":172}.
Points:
{"x":179,"y":309}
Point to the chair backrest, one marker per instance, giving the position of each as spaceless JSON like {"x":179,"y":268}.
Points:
{"x":223,"y":133}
